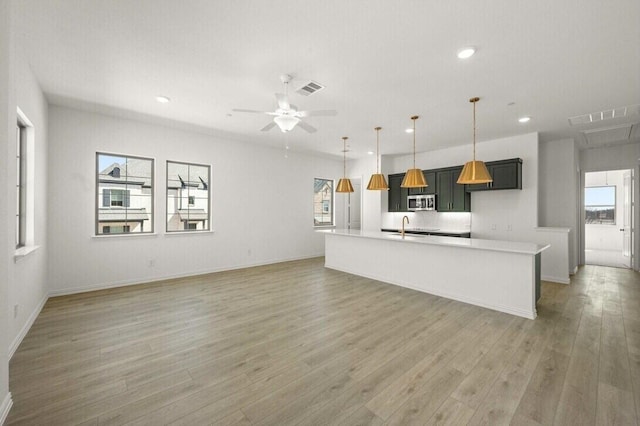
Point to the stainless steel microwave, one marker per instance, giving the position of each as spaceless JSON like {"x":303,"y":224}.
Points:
{"x":421,"y":202}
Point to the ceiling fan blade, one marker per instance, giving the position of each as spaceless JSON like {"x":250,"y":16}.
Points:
{"x":326,"y":112}
{"x":268,"y":127}
{"x":307,"y":127}
{"x":283,"y":101}
{"x":253,"y":111}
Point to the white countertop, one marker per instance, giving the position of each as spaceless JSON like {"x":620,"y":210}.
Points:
{"x":470,"y":243}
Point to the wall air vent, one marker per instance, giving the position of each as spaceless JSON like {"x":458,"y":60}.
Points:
{"x":310,"y":88}
{"x":609,"y":114}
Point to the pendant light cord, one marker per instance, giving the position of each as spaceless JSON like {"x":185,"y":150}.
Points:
{"x":344,"y":155}
{"x":377,"y":129}
{"x":414,"y":118}
{"x":473,"y":101}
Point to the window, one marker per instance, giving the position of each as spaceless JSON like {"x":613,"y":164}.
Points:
{"x":116,"y":198}
{"x":600,"y":205}
{"x":188,"y":195}
{"x":21,"y":184}
{"x":124,"y":193}
{"x":322,"y":202}
{"x":115,"y":229}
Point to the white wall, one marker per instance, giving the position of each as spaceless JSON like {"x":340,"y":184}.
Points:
{"x":606,"y":237}
{"x":262,"y":204}
{"x":6,"y":132}
{"x":613,"y":158}
{"x":29,"y":287}
{"x":559,"y":179}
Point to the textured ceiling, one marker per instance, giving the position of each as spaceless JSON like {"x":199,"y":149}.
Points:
{"x":381,"y":62}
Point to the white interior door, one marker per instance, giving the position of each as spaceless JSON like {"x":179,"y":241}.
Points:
{"x":626,"y":217}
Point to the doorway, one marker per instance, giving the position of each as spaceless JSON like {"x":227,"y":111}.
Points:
{"x":608,"y":212}
{"x":354,"y":207}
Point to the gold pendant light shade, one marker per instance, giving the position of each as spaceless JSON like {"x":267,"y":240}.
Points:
{"x":474,"y":171}
{"x":414,"y":178}
{"x":377,"y":181}
{"x":344,"y":184}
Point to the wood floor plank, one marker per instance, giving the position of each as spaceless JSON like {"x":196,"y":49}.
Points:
{"x":296,"y":343}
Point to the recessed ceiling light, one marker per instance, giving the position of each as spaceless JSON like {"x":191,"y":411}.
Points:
{"x":409,"y":130}
{"x":370,"y":152}
{"x":163,"y":99}
{"x":466,"y":52}
{"x":524,"y":119}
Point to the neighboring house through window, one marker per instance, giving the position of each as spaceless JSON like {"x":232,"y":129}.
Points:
{"x":322,"y":202}
{"x":188,"y":197}
{"x":124,"y":187}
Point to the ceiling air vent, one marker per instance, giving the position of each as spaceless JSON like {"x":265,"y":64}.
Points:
{"x":608,"y":135}
{"x":310,"y":88}
{"x":609,"y":114}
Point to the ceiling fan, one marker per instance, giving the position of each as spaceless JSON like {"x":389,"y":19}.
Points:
{"x":287,"y":116}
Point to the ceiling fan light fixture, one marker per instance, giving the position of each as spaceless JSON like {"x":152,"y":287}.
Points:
{"x":474,"y":171}
{"x":286,"y":123}
{"x":414,"y":178}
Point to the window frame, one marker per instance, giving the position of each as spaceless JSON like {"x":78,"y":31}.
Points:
{"x":613,"y":206}
{"x":99,"y":198}
{"x":185,"y":228}
{"x":322,"y":204}
{"x":21,"y":183}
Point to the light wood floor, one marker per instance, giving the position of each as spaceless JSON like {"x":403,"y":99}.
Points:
{"x":295,"y":343}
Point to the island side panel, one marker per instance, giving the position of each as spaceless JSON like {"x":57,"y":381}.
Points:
{"x":502,"y":281}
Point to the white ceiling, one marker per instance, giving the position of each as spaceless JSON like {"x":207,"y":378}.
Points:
{"x":381,"y":62}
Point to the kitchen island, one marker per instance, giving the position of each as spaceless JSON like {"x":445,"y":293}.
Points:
{"x":500,"y":275}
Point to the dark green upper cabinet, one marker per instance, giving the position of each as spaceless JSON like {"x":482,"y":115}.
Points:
{"x":430,"y":176}
{"x":451,"y":197}
{"x":397,"y":195}
{"x":506,"y":174}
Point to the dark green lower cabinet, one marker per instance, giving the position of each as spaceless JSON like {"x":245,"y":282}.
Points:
{"x":506,"y":174}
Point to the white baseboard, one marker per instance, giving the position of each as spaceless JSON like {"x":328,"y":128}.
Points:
{"x":125,"y":283}
{"x":25,"y":329}
{"x":555,"y":279}
{"x":5,"y":407}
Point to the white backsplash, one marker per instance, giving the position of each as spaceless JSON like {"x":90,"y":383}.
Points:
{"x":428,"y":219}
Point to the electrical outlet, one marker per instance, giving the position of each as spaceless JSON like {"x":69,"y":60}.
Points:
{"x":152,"y":263}
{"x":249,"y":252}
{"x":493,"y":226}
{"x":16,"y":307}
{"x":509,"y":227}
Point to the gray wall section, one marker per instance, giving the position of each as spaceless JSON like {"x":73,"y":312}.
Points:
{"x":558,"y":190}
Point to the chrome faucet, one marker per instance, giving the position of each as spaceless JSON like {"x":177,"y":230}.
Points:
{"x":405,"y":217}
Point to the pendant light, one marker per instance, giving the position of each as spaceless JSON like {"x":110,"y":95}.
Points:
{"x":474,"y":171}
{"x":344,"y":184}
{"x":377,"y":181}
{"x":414,"y":178}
